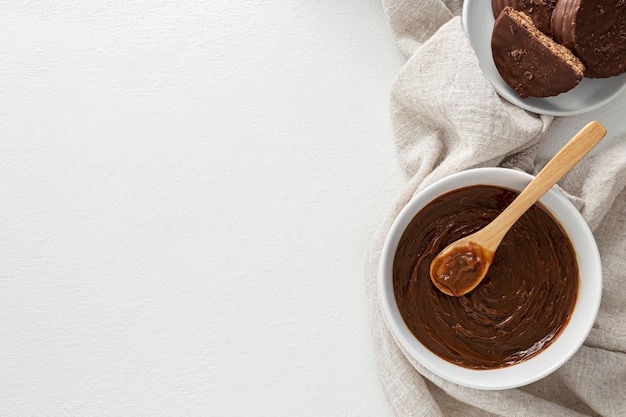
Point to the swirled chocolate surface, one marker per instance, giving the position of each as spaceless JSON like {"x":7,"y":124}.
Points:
{"x":522,"y":304}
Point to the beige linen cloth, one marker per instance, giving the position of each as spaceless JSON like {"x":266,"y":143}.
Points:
{"x":446,"y":117}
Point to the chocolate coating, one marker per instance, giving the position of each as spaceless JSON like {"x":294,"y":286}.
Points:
{"x":595,"y":30}
{"x":529,"y":61}
{"x":540,"y":11}
{"x":518,"y":309}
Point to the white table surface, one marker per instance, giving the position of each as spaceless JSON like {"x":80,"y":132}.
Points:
{"x":189,"y":190}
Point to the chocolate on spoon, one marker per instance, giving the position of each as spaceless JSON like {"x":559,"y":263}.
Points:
{"x":463,"y":264}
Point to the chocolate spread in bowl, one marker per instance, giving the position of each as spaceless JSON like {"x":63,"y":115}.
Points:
{"x":518,"y":309}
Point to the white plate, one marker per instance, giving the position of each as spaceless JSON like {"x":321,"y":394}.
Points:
{"x":590,"y":94}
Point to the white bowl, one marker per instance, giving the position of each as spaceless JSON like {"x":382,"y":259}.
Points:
{"x":577,"y":328}
{"x":590,"y":94}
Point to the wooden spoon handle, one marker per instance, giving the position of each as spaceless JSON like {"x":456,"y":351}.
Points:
{"x":570,"y":155}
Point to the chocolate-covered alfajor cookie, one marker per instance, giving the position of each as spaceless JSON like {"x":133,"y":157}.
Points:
{"x":529,"y":61}
{"x":540,"y":11}
{"x":595,"y":30}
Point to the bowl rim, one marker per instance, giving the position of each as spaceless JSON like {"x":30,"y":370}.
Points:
{"x":579,"y":324}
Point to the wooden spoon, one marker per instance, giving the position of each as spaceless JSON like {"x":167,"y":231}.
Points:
{"x":462,"y":265}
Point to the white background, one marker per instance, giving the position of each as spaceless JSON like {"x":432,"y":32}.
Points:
{"x":188,"y":193}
